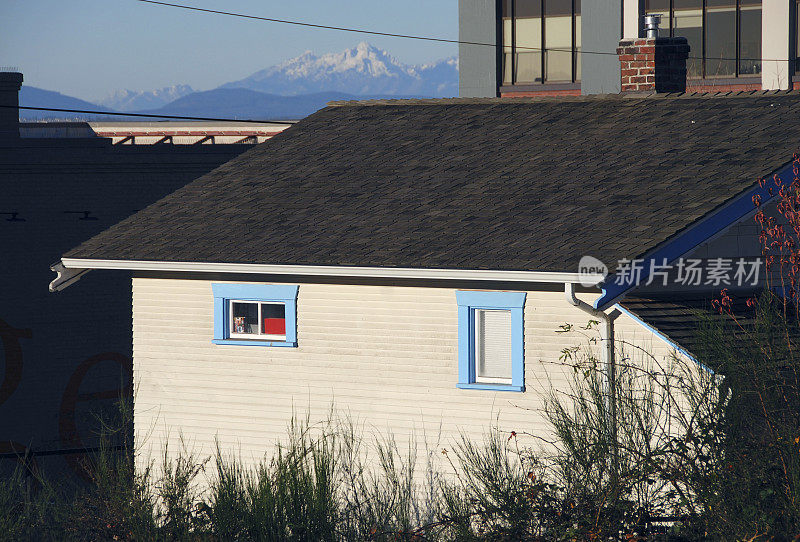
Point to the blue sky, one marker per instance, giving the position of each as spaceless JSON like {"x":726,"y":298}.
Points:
{"x":88,"y":48}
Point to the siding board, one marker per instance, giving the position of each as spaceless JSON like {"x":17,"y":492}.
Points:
{"x":387,"y":357}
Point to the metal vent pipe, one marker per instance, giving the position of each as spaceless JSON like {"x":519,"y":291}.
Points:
{"x":651,"y":24}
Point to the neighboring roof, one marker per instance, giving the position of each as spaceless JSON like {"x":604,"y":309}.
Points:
{"x":682,"y":317}
{"x":51,"y":183}
{"x":500,"y":184}
{"x":144,"y":132}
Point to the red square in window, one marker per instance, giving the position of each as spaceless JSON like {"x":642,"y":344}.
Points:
{"x":275,"y":326}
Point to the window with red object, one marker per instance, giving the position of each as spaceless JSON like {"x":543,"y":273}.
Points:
{"x":246,"y":315}
{"x":273,"y":319}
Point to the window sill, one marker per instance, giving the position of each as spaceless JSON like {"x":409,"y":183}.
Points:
{"x":724,"y":80}
{"x":540,"y":87}
{"x":239,"y":342}
{"x":492,"y":387}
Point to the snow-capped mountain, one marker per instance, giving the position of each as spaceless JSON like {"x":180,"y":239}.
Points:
{"x":292,"y":89}
{"x":363,"y":70}
{"x":441,"y":77}
{"x":134,"y":100}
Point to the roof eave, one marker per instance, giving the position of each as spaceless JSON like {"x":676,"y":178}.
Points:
{"x":74,"y":265}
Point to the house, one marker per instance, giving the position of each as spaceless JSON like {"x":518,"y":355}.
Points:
{"x":157,"y":133}
{"x":65,"y":359}
{"x":410,"y":262}
{"x":566,"y":46}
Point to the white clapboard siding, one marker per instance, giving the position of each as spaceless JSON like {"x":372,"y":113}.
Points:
{"x":386,"y":356}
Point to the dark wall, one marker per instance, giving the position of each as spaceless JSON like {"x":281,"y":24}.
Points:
{"x":65,"y":357}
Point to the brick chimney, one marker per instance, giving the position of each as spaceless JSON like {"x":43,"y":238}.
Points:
{"x":653,"y":64}
{"x":10,"y":83}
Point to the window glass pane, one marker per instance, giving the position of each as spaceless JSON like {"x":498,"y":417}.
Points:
{"x":558,"y":40}
{"x":577,"y":40}
{"x":721,"y":38}
{"x":750,"y":38}
{"x":493,"y":344}
{"x":797,"y":37}
{"x":656,"y":6}
{"x":687,"y":22}
{"x":528,"y":8}
{"x":507,"y":42}
{"x":529,"y":41}
{"x":244,"y":317}
{"x":659,"y":7}
{"x":558,"y":8}
{"x":273,"y":319}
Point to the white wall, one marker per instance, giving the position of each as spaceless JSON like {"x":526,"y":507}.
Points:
{"x":776,"y":73}
{"x":631,"y":18}
{"x":387,"y":355}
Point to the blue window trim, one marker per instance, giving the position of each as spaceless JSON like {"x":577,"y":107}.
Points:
{"x":468,"y":301}
{"x":223,"y":293}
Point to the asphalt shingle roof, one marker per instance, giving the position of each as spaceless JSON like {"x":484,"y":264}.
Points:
{"x":469,"y":184}
{"x":685,"y":317}
{"x":679,"y":317}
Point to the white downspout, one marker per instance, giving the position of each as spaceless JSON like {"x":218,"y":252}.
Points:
{"x":607,"y":355}
{"x":607,"y":329}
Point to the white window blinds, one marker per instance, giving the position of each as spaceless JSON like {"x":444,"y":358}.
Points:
{"x":493,"y":345}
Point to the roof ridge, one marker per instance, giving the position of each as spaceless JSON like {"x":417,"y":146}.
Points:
{"x":567,"y":99}
{"x":496,"y":186}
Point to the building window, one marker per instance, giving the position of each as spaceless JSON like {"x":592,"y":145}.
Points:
{"x":541,"y":41}
{"x":491,"y":340}
{"x":724,"y":35}
{"x":257,"y":320}
{"x":796,"y":19}
{"x":255,"y":314}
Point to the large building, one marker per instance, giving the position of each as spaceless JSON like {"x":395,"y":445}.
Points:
{"x":558,"y":47}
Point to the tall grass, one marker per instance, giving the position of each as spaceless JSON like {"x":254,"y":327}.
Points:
{"x":326,"y":482}
{"x":329,"y":482}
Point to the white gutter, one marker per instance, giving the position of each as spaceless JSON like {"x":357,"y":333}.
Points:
{"x":73,"y":265}
{"x":66,"y":277}
{"x":607,"y":352}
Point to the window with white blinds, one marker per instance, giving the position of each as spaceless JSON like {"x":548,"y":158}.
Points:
{"x":491,"y":340}
{"x":493,"y":346}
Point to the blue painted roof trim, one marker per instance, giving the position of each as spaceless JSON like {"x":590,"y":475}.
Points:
{"x":701,"y":232}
